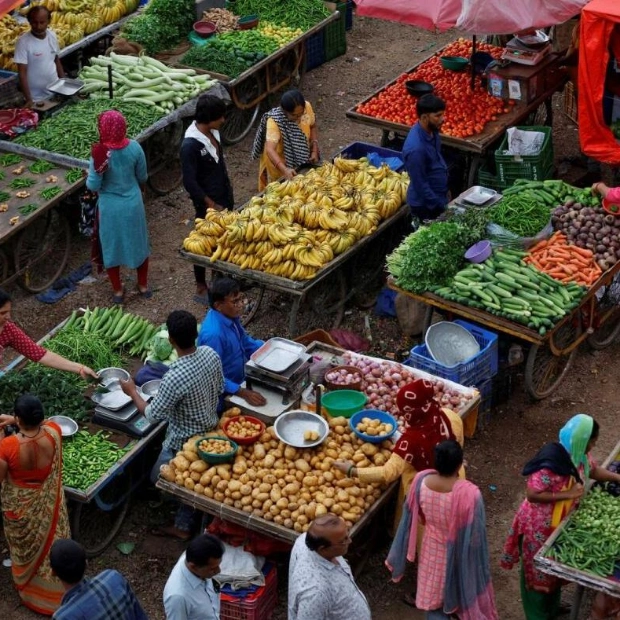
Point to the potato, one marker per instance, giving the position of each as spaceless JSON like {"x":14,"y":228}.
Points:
{"x":302,"y":465}
{"x":259,"y":451}
{"x":185,"y":474}
{"x":213,"y":446}
{"x":223,"y":472}
{"x":239,"y":468}
{"x":167,"y":473}
{"x":195,"y":476}
{"x":340,"y":421}
{"x":222,"y":485}
{"x":310,"y":481}
{"x":379,"y":459}
{"x":181,"y":463}
{"x":275,"y":494}
{"x":270,"y":479}
{"x":291,"y":489}
{"x":198,"y":488}
{"x":320,"y":510}
{"x":199,"y":466}
{"x":234,"y":485}
{"x":189,"y":484}
{"x":270,"y":461}
{"x":190,"y":456}
{"x":282,"y":503}
{"x":178,"y":479}
{"x":369,"y":449}
{"x":290,"y":453}
{"x":245,"y":490}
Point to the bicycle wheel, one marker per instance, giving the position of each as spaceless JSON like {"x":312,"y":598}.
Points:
{"x":163,"y":158}
{"x":42,"y":251}
{"x":239,"y":120}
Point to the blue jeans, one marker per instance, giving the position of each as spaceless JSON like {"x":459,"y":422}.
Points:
{"x":186,"y":517}
{"x":436,"y":614}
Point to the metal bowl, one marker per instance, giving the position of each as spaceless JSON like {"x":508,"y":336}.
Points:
{"x":291,"y":426}
{"x":150,"y":388}
{"x":108,"y":376}
{"x":68,"y":427}
{"x":450,"y":344}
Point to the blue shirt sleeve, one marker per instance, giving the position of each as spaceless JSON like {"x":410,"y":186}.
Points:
{"x":415,"y":165}
{"x":208,"y":338}
{"x":250,"y":345}
{"x":93,"y":180}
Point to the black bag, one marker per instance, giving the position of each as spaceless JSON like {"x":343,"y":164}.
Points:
{"x":88,"y":212}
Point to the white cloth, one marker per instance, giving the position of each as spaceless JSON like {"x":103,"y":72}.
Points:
{"x":193,"y":132}
{"x":240,"y":568}
{"x":39,"y":55}
{"x":187,"y":597}
{"x":321,"y":590}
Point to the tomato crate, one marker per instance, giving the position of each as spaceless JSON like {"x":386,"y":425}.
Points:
{"x":471,"y":372}
{"x":315,"y":50}
{"x":258,"y":605}
{"x":335,"y":38}
{"x":532,"y":167}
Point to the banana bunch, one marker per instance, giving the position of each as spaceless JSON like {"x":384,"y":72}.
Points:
{"x":76,"y":6}
{"x":298,"y":226}
{"x":68,"y":33}
{"x":50,"y":5}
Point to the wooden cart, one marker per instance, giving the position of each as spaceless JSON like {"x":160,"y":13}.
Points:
{"x":34,"y":250}
{"x":581,"y":578}
{"x":538,"y":112}
{"x":596,"y":319}
{"x":323,"y":297}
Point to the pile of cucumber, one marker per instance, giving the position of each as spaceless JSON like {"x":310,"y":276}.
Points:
{"x":505,"y":286}
{"x":552,"y":192}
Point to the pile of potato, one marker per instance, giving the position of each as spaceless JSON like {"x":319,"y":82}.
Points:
{"x":215,"y":446}
{"x":242,"y":427}
{"x":374,"y":427}
{"x":285,"y":485}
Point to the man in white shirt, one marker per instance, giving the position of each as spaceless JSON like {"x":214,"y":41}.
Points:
{"x":320,"y":582}
{"x":36,"y":56}
{"x":189,"y":593}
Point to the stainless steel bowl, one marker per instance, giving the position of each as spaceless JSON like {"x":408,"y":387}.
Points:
{"x":150,"y":388}
{"x":67,"y":425}
{"x":291,"y":426}
{"x":109,"y":376}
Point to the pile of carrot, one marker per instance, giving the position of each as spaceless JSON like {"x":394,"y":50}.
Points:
{"x":564,"y":262}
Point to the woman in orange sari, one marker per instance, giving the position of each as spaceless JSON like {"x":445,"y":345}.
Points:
{"x":33,"y":503}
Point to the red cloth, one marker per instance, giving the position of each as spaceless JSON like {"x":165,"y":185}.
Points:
{"x":112,"y":136}
{"x":427,"y":424}
{"x":12,"y":336}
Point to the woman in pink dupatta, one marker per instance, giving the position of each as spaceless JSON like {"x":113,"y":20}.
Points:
{"x":454,"y":576}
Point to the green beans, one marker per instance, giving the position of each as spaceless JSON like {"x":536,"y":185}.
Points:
{"x":9,"y":159}
{"x":521,"y":215}
{"x":50,"y":192}
{"x":299,"y":14}
{"x":74,"y":175}
{"x":21,"y":183}
{"x":28,"y":209}
{"x":87,"y":457}
{"x":40,"y":166}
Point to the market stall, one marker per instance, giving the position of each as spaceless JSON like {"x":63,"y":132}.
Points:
{"x":346,"y":236}
{"x":107,"y":454}
{"x":552,"y":296}
{"x":578,"y":566}
{"x":475,"y":120}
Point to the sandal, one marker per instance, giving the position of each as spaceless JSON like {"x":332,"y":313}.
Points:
{"x":118,"y":299}
{"x":409,"y":599}
{"x":146,"y":294}
{"x":170,"y":531}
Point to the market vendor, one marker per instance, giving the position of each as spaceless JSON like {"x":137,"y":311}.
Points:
{"x":427,"y":195}
{"x":556,"y":478}
{"x":222,"y":331}
{"x":609,"y":193}
{"x":286,"y":139}
{"x":12,"y":336}
{"x":426,"y":425}
{"x":205,"y":176}
{"x":187,"y":399}
{"x":36,"y":57}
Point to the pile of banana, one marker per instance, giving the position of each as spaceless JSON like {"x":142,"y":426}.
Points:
{"x":71,"y":21}
{"x":296,"y":227}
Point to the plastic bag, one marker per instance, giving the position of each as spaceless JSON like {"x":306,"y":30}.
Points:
{"x":499,"y":236}
{"x":523,"y":142}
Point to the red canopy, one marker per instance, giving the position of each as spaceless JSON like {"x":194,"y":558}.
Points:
{"x":6,"y":6}
{"x":598,"y":20}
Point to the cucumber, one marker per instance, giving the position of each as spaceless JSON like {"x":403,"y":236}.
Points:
{"x":528,"y":295}
{"x":499,"y":291}
{"x":506,"y":279}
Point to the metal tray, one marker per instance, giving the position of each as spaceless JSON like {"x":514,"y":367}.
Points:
{"x":113,"y":400}
{"x":450,"y":344}
{"x":478,"y":195}
{"x":278,"y":354}
{"x":66,"y":87}
{"x":291,"y":426}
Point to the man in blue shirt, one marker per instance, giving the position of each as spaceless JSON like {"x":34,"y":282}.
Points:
{"x":427,"y":195}
{"x":222,"y":331}
{"x":107,"y":596}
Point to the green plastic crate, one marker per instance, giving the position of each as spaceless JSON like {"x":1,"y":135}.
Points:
{"x":335,"y":40}
{"x":487,"y":179}
{"x":533,"y":167}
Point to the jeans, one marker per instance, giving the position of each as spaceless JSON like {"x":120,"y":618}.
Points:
{"x":437,"y":614}
{"x":186,"y":516}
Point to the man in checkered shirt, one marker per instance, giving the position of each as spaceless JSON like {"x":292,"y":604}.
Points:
{"x":187,"y":399}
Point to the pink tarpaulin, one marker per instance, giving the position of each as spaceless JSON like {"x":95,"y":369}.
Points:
{"x":473,"y":16}
{"x":6,"y":6}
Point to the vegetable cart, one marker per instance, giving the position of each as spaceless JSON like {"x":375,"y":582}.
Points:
{"x":324,"y":295}
{"x":550,"y":355}
{"x":34,"y":233}
{"x":538,"y":111}
{"x":582,"y":578}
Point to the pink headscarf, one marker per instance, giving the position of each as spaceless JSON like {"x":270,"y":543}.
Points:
{"x":112,"y":136}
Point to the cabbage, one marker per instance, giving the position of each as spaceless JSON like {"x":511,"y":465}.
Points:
{"x":160,"y":349}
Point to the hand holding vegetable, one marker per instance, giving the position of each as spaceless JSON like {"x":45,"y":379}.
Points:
{"x":600,"y":188}
{"x":575,"y":492}
{"x":289,"y":173}
{"x":85,"y":371}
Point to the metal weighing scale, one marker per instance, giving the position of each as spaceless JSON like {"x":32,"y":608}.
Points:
{"x":121,"y":414}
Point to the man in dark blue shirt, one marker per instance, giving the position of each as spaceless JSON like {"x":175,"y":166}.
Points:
{"x":427,"y":195}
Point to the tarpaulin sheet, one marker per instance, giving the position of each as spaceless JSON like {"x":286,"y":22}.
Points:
{"x":473,"y":16}
{"x":598,"y":20}
{"x":6,"y":6}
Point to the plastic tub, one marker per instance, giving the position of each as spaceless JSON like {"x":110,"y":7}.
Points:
{"x":244,"y":441}
{"x":479,"y":252}
{"x":373,"y":414}
{"x":247,"y":22}
{"x":205,"y":29}
{"x":352,"y":370}
{"x":343,"y":402}
{"x":417,"y":88}
{"x":611,"y":207}
{"x":454,"y":63}
{"x":211,"y":457}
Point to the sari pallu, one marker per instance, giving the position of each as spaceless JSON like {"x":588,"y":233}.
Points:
{"x":468,"y":590}
{"x":35,"y":515}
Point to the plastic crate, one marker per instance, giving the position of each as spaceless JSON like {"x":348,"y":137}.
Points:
{"x":533,"y":167}
{"x":335,"y":38}
{"x":9,"y":88}
{"x":473,"y":371}
{"x":487,"y":179}
{"x":348,"y":18}
{"x":356,"y":150}
{"x":315,"y":50}
{"x":256,"y":606}
{"x":569,"y":101}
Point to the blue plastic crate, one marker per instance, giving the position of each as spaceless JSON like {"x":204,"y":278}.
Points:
{"x":348,"y":17}
{"x":315,"y":50}
{"x":470,"y":372}
{"x":355,"y":150}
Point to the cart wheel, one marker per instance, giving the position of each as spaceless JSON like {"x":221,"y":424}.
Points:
{"x":254,"y":296}
{"x":4,"y":267}
{"x":95,"y":527}
{"x":609,"y":330}
{"x":42,"y":251}
{"x":544,"y":371}
{"x":163,"y":158}
{"x":239,"y":121}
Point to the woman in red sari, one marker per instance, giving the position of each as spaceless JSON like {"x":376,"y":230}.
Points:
{"x":33,"y":503}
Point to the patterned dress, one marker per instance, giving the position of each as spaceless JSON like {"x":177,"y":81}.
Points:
{"x":532,"y":526}
{"x":437,"y":509}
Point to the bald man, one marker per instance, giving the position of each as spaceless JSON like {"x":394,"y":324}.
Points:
{"x":321,"y":585}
